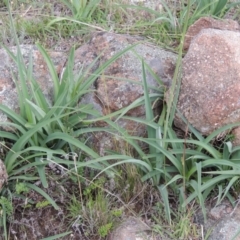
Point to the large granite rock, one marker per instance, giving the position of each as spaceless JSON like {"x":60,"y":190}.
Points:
{"x":210,"y":89}
{"x":121,"y":83}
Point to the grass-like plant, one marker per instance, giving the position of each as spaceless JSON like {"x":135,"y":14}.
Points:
{"x":82,"y":10}
{"x":173,"y":17}
{"x":183,"y":166}
{"x":85,"y":14}
{"x":215,"y":8}
{"x":93,"y":211}
{"x":190,"y":169}
{"x":45,"y":130}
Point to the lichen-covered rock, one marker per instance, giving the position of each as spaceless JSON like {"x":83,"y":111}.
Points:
{"x":210,"y":89}
{"x":121,"y":83}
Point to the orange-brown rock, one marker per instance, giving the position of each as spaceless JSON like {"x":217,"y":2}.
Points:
{"x":208,"y":22}
{"x":121,"y":83}
{"x":210,"y":89}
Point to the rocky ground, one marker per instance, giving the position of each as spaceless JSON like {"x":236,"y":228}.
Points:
{"x":31,"y":221}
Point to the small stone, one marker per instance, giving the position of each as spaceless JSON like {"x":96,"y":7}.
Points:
{"x":220,"y":211}
{"x":131,"y":229}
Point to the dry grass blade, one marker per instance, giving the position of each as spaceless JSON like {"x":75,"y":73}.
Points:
{"x":3,"y":174}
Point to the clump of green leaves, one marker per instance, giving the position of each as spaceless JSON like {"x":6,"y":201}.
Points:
{"x":6,"y":206}
{"x":42,"y":204}
{"x":21,"y":188}
{"x":104,"y":230}
{"x":6,"y":210}
{"x":44,"y":131}
{"x":94,"y":210}
{"x":117,"y":212}
{"x":82,"y":10}
{"x":182,"y":225}
{"x":215,"y":8}
{"x":89,"y":190}
{"x":74,"y":207}
{"x":190,"y":168}
{"x":174,"y":16}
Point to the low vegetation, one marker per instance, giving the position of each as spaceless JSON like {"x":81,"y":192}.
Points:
{"x":166,"y":183}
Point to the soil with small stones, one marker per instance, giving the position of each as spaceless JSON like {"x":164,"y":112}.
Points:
{"x":33,"y":221}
